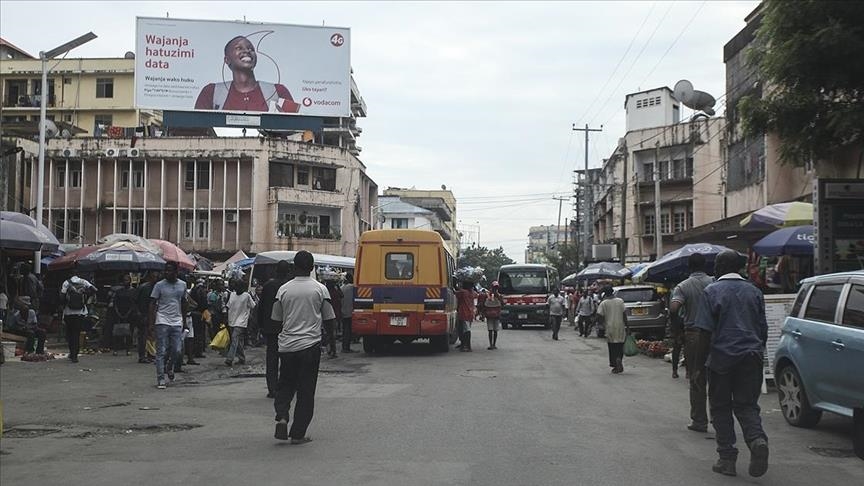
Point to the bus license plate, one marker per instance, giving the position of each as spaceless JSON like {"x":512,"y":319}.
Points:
{"x":399,"y":321}
{"x":523,"y":316}
{"x":640,"y":311}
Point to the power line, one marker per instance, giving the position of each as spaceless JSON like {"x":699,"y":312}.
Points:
{"x":675,"y":41}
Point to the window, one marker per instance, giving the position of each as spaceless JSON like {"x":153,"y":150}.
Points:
{"x":799,"y":301}
{"x":59,"y":226}
{"x":196,"y":228}
{"x":678,"y":221}
{"x":823,"y":302}
{"x":133,"y":226}
{"x":664,"y":170}
{"x":75,"y":174}
{"x":689,"y":168}
{"x":281,"y":175}
{"x":648,"y":171}
{"x":324,"y":179}
{"x":399,"y":266}
{"x":302,"y":176}
{"x":664,"y":223}
{"x":399,"y":223}
{"x":853,"y":315}
{"x":16,"y":93}
{"x":648,"y":224}
{"x":678,"y":169}
{"x":137,"y":176}
{"x":101,"y":124}
{"x":203,"y":168}
{"x":689,"y":218}
{"x":104,"y":87}
{"x":324,"y":225}
{"x":61,"y":175}
{"x":74,"y":225}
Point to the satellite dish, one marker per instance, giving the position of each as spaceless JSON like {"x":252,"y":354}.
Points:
{"x":51,"y":129}
{"x":443,"y":187}
{"x":693,"y":99}
{"x":129,"y":55}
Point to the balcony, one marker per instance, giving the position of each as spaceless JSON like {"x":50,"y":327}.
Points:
{"x":27,"y":101}
{"x":305,"y":197}
{"x":303,"y":231}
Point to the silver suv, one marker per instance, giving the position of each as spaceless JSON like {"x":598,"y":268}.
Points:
{"x":646,"y":312}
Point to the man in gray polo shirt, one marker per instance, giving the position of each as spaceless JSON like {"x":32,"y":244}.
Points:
{"x":687,"y":298}
{"x":302,"y":305}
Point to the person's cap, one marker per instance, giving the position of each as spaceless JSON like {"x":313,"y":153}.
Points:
{"x":495,"y":283}
{"x":24,"y":299}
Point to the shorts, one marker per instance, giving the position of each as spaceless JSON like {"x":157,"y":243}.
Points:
{"x":493,"y":323}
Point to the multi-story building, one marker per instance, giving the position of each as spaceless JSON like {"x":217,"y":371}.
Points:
{"x":441,"y":202}
{"x":89,"y":96}
{"x":210,"y":195}
{"x":688,"y":158}
{"x":395,"y":213}
{"x":544,"y":239}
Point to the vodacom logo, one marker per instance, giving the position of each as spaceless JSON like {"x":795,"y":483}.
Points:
{"x":307,"y":101}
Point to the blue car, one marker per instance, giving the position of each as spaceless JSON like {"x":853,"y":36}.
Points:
{"x":819,"y":363}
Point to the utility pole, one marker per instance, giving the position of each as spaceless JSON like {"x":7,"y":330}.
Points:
{"x":558,"y":226}
{"x":658,"y":236}
{"x":622,"y":244}
{"x":588,"y":194}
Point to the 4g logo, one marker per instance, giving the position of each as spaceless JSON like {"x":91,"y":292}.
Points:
{"x":337,"y":40}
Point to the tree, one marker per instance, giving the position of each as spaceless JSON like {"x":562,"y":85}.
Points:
{"x":809,"y":56}
{"x":489,"y":260}
{"x":566,"y":260}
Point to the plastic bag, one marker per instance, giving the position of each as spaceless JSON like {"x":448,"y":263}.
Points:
{"x":630,"y":347}
{"x":221,"y":339}
{"x":150,"y":347}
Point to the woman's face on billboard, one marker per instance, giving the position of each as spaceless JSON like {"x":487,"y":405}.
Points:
{"x":240,"y":54}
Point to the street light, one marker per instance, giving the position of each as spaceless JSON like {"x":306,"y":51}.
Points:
{"x":44,"y":56}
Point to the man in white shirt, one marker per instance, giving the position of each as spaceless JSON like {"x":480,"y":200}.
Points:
{"x":556,"y":311}
{"x":302,"y":305}
{"x":240,"y":304}
{"x":74,"y":294}
{"x":168,"y":309}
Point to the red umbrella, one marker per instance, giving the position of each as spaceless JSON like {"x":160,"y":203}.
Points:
{"x":70,"y":260}
{"x":173,"y":253}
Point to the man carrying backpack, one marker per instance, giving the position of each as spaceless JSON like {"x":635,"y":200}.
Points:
{"x":74,"y":294}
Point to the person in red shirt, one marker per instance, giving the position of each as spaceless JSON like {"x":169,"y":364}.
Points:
{"x":244,"y":92}
{"x":466,"y":312}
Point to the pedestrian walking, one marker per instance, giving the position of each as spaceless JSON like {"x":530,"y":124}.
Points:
{"x":74,"y":294}
{"x":734,"y":314}
{"x":347,"y":312}
{"x":465,"y":311}
{"x":270,"y":328}
{"x":585,"y":310}
{"x":556,"y":311}
{"x":123,"y":313}
{"x":687,"y":298}
{"x":572,"y":301}
{"x":614,"y":315}
{"x":199,"y":296}
{"x":168,"y":310}
{"x":143,"y":328}
{"x":329,"y":335}
{"x":302,"y":305}
{"x":492,"y":312}
{"x":240,"y":304}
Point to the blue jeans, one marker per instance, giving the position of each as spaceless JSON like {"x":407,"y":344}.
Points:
{"x":170,"y":337}
{"x":238,"y":335}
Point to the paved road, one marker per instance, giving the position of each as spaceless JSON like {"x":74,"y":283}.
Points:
{"x":533,"y":412}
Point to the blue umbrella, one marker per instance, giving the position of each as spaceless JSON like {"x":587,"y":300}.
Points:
{"x":795,"y":240}
{"x":603,"y":270}
{"x":672,"y":267}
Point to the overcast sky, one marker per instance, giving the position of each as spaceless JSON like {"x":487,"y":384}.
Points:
{"x":478,"y":96}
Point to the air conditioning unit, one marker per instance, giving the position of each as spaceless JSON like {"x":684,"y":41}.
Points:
{"x":112,"y":152}
{"x":134,"y":152}
{"x":70,"y":152}
{"x":231,"y":217}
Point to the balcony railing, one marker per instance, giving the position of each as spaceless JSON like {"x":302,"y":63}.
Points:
{"x":294,"y":230}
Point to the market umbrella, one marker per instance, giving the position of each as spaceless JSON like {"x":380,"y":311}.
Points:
{"x":780,"y":215}
{"x":21,"y":232}
{"x":70,"y":259}
{"x":121,"y":256}
{"x":173,"y":253}
{"x":134,"y":239}
{"x":569,"y":280}
{"x":672,"y":266}
{"x":796,"y":240}
{"x":603,"y":270}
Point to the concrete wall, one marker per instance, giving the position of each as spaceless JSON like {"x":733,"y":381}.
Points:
{"x":649,"y":109}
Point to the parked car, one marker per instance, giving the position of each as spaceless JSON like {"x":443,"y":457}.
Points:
{"x":646,"y":311}
{"x":819,"y":360}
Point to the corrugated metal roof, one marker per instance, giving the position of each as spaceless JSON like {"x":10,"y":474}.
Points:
{"x":394,"y":205}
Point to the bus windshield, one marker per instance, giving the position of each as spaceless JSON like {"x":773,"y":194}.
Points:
{"x":523,"y":282}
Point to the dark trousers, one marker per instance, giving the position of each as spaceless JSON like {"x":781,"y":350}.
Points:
{"x":74,"y":324}
{"x":736,"y":391}
{"x":298,"y":374}
{"x":35,"y":338}
{"x":346,"y":334}
{"x":677,"y":334}
{"x":556,"y":326}
{"x":199,"y":341}
{"x":697,"y":344}
{"x":584,"y":325}
{"x":616,"y":352}
{"x":330,"y":336}
{"x":141,"y":331}
{"x":271,"y":362}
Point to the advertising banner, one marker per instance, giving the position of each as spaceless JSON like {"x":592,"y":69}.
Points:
{"x":205,"y":65}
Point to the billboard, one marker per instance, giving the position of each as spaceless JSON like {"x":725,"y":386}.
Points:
{"x":205,"y":65}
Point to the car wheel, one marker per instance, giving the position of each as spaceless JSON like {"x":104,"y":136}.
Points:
{"x":793,"y":399}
